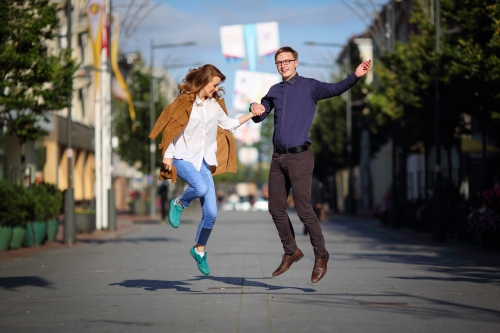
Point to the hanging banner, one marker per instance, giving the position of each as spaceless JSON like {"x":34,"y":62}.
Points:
{"x":249,"y":41}
{"x":115,"y":33}
{"x":251,"y":87}
{"x":268,"y":41}
{"x":232,"y":41}
{"x":95,"y":14}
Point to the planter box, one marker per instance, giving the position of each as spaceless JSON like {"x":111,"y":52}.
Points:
{"x":84,"y":223}
{"x":35,"y":233}
{"x":18,"y":235}
{"x":52,"y":228}
{"x":5,"y":237}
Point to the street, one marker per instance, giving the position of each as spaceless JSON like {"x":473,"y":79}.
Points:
{"x":378,"y":280}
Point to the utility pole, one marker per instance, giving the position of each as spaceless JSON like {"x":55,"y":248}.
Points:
{"x":152,"y":148}
{"x":111,"y":191}
{"x":69,"y":200}
{"x":351,"y":204}
{"x":438,"y":232}
{"x":391,"y":40}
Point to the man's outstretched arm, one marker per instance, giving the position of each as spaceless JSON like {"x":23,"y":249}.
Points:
{"x":325,"y":90}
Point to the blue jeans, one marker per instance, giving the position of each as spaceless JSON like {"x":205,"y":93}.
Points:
{"x":201,"y":185}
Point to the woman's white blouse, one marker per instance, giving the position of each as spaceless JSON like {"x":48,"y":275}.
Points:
{"x":198,"y":140}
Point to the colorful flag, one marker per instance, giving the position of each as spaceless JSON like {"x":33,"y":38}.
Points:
{"x":115,"y":33}
{"x":95,"y":14}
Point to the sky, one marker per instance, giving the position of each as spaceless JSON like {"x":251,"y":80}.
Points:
{"x":199,"y":21}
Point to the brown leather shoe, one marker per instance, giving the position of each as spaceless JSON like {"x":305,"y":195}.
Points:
{"x":320,"y":267}
{"x":287,"y":262}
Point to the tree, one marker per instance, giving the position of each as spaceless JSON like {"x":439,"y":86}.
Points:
{"x":34,"y":80}
{"x":472,"y":57}
{"x":134,"y":146}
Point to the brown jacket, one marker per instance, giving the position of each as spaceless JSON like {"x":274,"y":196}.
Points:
{"x":174,"y":119}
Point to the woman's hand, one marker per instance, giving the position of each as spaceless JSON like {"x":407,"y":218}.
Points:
{"x":167,"y":163}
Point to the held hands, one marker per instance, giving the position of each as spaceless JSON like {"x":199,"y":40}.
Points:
{"x":363,"y":68}
{"x":257,"y":109}
{"x":167,"y":164}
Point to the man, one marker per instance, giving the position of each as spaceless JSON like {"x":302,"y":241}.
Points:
{"x":294,"y":103}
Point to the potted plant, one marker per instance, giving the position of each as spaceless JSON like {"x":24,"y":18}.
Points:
{"x":54,"y":203}
{"x":13,"y":215}
{"x":5,"y":216}
{"x":36,"y":227}
{"x":84,"y":220}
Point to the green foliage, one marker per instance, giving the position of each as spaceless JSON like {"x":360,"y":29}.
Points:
{"x":39,"y":204}
{"x":14,"y":202}
{"x":53,"y":200}
{"x":405,"y":76}
{"x":469,"y":73}
{"x":134,"y":146}
{"x":472,"y":56}
{"x":33,"y":80}
{"x":328,"y":131}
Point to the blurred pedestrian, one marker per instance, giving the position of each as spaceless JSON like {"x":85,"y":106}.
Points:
{"x":294,"y":103}
{"x":196,"y":144}
{"x":163,"y":194}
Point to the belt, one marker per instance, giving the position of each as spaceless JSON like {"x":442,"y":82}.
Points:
{"x":296,"y":149}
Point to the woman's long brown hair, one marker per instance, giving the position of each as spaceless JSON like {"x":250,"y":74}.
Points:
{"x":197,"y":78}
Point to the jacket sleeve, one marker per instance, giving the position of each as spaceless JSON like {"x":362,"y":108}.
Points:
{"x":162,"y":120}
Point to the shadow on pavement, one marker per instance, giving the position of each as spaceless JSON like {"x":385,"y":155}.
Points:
{"x":155,"y":285}
{"x":462,"y":274}
{"x":395,"y":247}
{"x":425,"y":307}
{"x":23,"y":281}
{"x":128,"y":240}
{"x":148,"y":221}
{"x":248,"y":282}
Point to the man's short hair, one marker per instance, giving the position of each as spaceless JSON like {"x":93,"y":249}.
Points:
{"x":283,"y":49}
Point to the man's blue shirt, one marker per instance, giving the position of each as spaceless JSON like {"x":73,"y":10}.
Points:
{"x":294,"y":103}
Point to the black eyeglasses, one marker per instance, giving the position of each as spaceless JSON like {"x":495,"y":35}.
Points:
{"x":284,"y":62}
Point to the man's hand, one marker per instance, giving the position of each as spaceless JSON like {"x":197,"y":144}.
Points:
{"x":363,"y":68}
{"x":257,"y":109}
{"x":167,"y":163}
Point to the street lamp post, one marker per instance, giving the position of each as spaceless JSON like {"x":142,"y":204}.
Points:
{"x":152,"y":192}
{"x":69,"y":200}
{"x":438,"y":234}
{"x":350,"y":206}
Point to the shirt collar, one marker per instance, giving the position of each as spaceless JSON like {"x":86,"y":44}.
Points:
{"x":199,"y":102}
{"x":292,"y":79}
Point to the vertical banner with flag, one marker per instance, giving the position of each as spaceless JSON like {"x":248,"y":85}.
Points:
{"x":95,"y":13}
{"x":115,"y":33}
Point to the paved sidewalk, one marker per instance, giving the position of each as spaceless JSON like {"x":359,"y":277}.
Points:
{"x":125,"y":224}
{"x":379,"y":280}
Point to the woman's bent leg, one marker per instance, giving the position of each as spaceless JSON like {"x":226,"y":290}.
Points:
{"x":208,"y":208}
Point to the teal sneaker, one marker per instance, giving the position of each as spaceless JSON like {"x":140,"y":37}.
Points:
{"x":201,"y":261}
{"x":174,"y":216}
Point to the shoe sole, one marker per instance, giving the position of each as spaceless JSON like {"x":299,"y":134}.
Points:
{"x":302,"y":256}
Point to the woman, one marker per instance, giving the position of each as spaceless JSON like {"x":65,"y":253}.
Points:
{"x":196,"y":145}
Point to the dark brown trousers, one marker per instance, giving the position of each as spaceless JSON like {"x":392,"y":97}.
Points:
{"x":294,"y":171}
